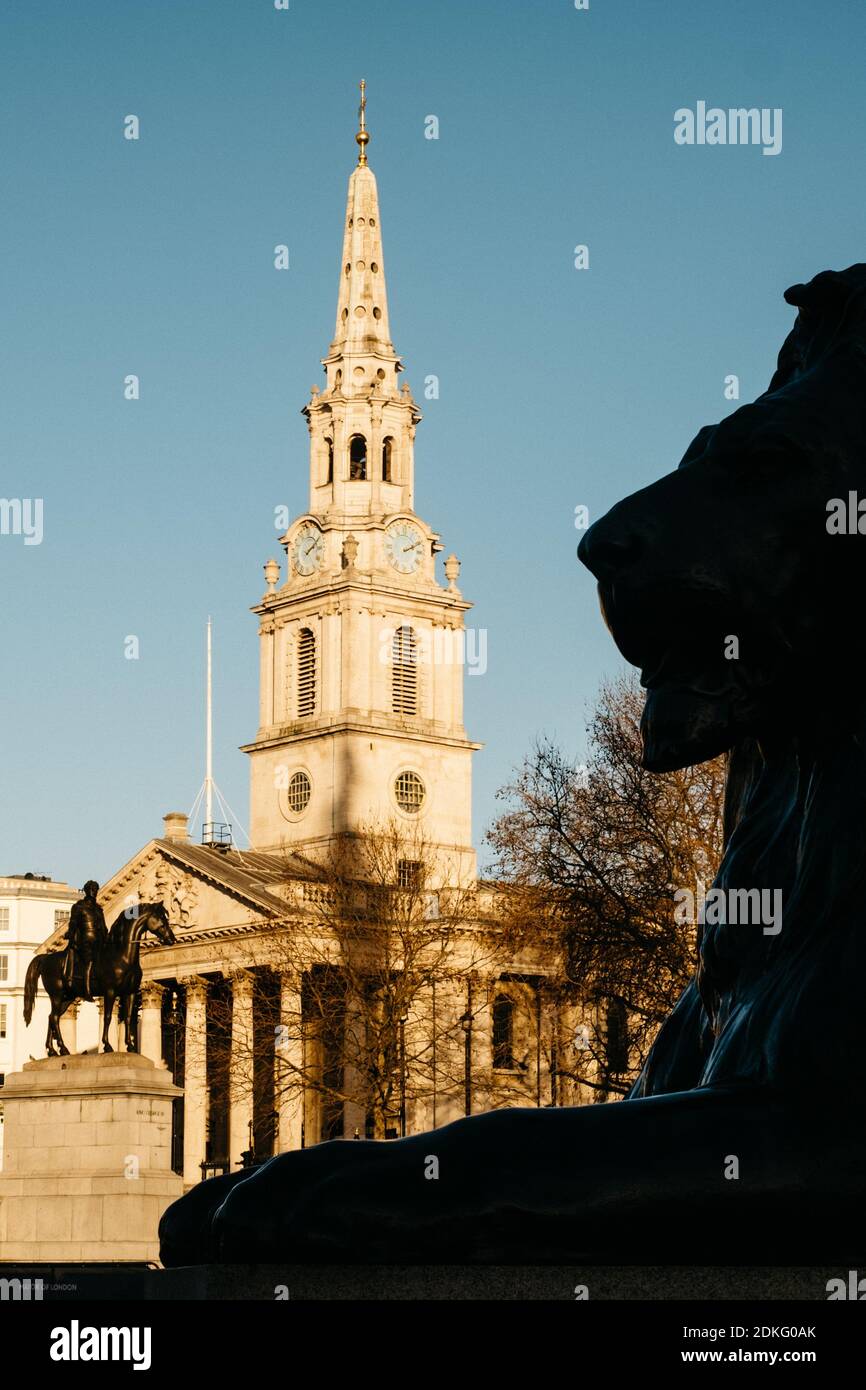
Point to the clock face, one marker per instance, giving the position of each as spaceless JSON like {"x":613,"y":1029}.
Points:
{"x":404,"y":546}
{"x":308,"y":550}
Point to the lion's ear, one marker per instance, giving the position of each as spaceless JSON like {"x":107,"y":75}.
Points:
{"x":828,"y":288}
{"x":833,"y":303}
{"x":796,"y":295}
{"x":812,"y":300}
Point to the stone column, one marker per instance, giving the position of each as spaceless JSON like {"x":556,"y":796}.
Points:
{"x":537,"y":1065}
{"x":241,"y":1067}
{"x":150,"y":1021}
{"x":354,"y":1116}
{"x":194,"y":1079}
{"x":482,"y":1043}
{"x":341,"y":463}
{"x":576,"y":1059}
{"x":69,"y":1027}
{"x":284,"y":674}
{"x":374,"y":456}
{"x":289,"y":1065}
{"x":410,"y":1078}
{"x":266,"y":672}
{"x":407,"y":477}
{"x":331,"y":674}
{"x":427,"y":1117}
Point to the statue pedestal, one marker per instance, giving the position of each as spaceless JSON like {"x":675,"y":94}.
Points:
{"x":87,"y":1159}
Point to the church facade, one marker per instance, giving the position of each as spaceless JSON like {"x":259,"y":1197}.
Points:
{"x":348,"y":975}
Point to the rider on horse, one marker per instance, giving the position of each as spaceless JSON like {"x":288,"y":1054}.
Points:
{"x":87,"y":935}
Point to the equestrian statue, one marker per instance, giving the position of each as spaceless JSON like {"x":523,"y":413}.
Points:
{"x":96,"y":963}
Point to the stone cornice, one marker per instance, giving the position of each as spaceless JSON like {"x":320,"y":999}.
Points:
{"x":282,"y":734}
{"x":37,"y":891}
{"x":367,"y":584}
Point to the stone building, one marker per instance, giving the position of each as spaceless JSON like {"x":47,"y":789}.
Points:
{"x":362,"y":640}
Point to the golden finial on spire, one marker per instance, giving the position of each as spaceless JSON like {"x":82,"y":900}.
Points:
{"x":362,"y":137}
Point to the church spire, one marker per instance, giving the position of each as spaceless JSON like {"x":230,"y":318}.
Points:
{"x":349,"y":719}
{"x":362,"y":425}
{"x":362,"y":330}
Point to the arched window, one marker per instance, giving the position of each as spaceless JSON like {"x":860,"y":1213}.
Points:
{"x":388,"y":460}
{"x":306,"y":673}
{"x":357,"y":458}
{"x":404,"y":673}
{"x":503,"y":1033}
{"x":330,"y":446}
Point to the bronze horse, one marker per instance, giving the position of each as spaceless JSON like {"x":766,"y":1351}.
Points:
{"x":116,"y":975}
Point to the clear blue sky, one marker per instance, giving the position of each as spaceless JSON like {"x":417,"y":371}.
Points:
{"x":558,"y":386}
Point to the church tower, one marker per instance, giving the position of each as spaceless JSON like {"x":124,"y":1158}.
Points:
{"x":362,"y":648}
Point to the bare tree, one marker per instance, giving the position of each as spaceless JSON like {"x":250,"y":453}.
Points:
{"x":598,"y":850}
{"x":363,"y":991}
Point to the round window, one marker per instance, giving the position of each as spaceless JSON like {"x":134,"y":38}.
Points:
{"x":409,"y":791}
{"x":300,"y":791}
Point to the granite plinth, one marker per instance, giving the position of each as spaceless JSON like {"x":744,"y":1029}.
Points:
{"x":87,"y":1159}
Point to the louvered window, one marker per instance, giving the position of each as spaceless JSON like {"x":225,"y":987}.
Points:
{"x":306,"y":673}
{"x":404,"y":675}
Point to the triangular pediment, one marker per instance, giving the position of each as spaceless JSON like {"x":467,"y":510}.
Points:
{"x":203,"y":889}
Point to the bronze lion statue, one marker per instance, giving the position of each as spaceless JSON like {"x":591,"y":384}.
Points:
{"x":743,"y":1139}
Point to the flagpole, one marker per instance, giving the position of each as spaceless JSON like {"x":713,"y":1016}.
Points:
{"x":209,"y":734}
